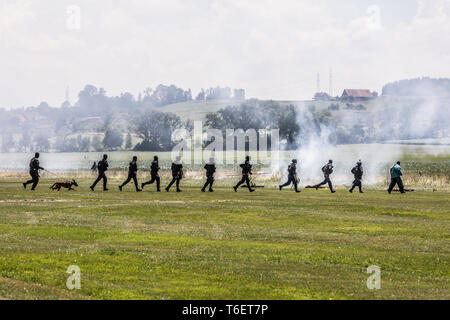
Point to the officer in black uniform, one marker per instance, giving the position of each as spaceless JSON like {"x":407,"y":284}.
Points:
{"x":292,"y":176}
{"x":177,"y":174}
{"x":210,"y":170}
{"x":34,"y":172}
{"x":357,"y":173}
{"x":102,"y":167}
{"x":246,"y":170}
{"x":154,"y":175}
{"x":132,"y":174}
{"x":327,"y":171}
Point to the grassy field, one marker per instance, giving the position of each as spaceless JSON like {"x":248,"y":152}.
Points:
{"x":222,"y":245}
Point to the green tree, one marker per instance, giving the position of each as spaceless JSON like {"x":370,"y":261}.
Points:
{"x":155,"y":128}
{"x":83,"y":143}
{"x":113,"y":139}
{"x":7,"y":142}
{"x":25,"y":142}
{"x":97,"y":143}
{"x":41,"y":143}
{"x":129,"y":142}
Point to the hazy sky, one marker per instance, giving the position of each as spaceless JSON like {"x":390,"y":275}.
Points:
{"x":273,"y":49}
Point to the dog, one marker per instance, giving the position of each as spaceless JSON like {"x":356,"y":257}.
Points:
{"x":64,"y":184}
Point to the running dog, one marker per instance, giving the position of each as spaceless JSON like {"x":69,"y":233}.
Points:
{"x":64,"y":184}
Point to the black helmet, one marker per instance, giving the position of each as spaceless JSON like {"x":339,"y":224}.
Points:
{"x":294,"y":161}
{"x":330,"y":161}
{"x":155,"y":158}
{"x":247,"y":158}
{"x":398,"y":162}
{"x":36,"y":155}
{"x":105,"y":156}
{"x":134,"y":158}
{"x":359,"y":162}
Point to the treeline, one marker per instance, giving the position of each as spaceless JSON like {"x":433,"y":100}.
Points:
{"x":151,"y":130}
{"x":255,"y":114}
{"x":219,"y":93}
{"x":419,"y":87}
{"x":96,"y":121}
{"x":155,"y":128}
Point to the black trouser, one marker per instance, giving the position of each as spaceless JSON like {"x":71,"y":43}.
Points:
{"x":34,"y":179}
{"x":155,"y":177}
{"x":174,"y":179}
{"x":101,"y":175}
{"x":131,"y":175}
{"x":357,"y":183}
{"x":327,"y":180}
{"x":245,"y":179}
{"x":397,"y":181}
{"x":209,"y":181}
{"x":291,"y":179}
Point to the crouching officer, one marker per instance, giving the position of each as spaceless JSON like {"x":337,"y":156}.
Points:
{"x":396,"y":178}
{"x":246,"y":170}
{"x":34,"y":172}
{"x":327,"y":171}
{"x":132,"y":174}
{"x":292,"y":176}
{"x":102,"y":167}
{"x":177,"y":174}
{"x":154,"y":175}
{"x":357,"y":173}
{"x":210,"y":170}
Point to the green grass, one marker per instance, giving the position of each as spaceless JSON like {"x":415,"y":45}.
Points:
{"x":193,"y":245}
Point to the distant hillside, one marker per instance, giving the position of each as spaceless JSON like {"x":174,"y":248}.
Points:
{"x":197,"y":110}
{"x":420,"y":87}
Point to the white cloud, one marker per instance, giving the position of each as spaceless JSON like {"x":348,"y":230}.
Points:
{"x":273,"y":49}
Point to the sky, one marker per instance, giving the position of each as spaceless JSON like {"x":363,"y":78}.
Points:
{"x":273,"y":49}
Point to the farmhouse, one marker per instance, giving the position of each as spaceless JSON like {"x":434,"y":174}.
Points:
{"x":356,"y":95}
